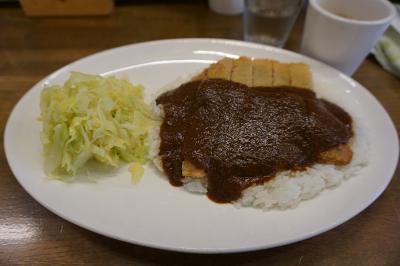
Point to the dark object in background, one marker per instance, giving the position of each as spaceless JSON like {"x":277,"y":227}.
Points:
{"x":67,"y":7}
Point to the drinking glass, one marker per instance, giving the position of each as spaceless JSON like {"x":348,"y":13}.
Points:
{"x":270,"y":21}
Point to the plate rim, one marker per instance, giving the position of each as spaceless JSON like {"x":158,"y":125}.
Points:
{"x":229,"y":42}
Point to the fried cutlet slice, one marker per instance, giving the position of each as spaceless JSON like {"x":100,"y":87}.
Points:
{"x":280,"y":74}
{"x":300,"y":75}
{"x":242,"y":71}
{"x":189,"y":169}
{"x":262,"y":73}
{"x":340,"y":155}
{"x":266,"y":73}
{"x":220,"y":70}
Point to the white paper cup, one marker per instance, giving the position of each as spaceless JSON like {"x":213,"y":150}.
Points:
{"x":342,"y":32}
{"x":227,"y":7}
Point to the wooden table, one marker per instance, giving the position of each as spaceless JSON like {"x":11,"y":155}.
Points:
{"x":31,"y":48}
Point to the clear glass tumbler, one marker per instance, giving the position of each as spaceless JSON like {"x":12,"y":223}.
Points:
{"x":270,"y":21}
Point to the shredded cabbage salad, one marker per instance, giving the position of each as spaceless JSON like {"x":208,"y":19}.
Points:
{"x":94,"y":117}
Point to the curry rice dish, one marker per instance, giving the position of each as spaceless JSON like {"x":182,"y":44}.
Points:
{"x":254,"y":133}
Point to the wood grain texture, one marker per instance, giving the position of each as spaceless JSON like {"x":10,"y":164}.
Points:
{"x":66,"y":7}
{"x":29,"y":234}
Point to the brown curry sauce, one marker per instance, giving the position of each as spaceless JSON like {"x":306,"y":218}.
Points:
{"x":242,"y":136}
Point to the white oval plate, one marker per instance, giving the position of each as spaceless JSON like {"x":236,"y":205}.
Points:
{"x":155,"y":214}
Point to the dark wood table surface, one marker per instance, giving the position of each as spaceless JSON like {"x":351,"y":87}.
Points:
{"x":31,"y":48}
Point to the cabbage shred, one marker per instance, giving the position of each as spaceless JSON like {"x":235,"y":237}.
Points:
{"x":93,"y":117}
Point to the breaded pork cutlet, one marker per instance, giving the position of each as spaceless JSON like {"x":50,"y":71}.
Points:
{"x":266,"y":73}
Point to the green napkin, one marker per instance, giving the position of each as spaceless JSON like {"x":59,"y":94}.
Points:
{"x":387,"y":51}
